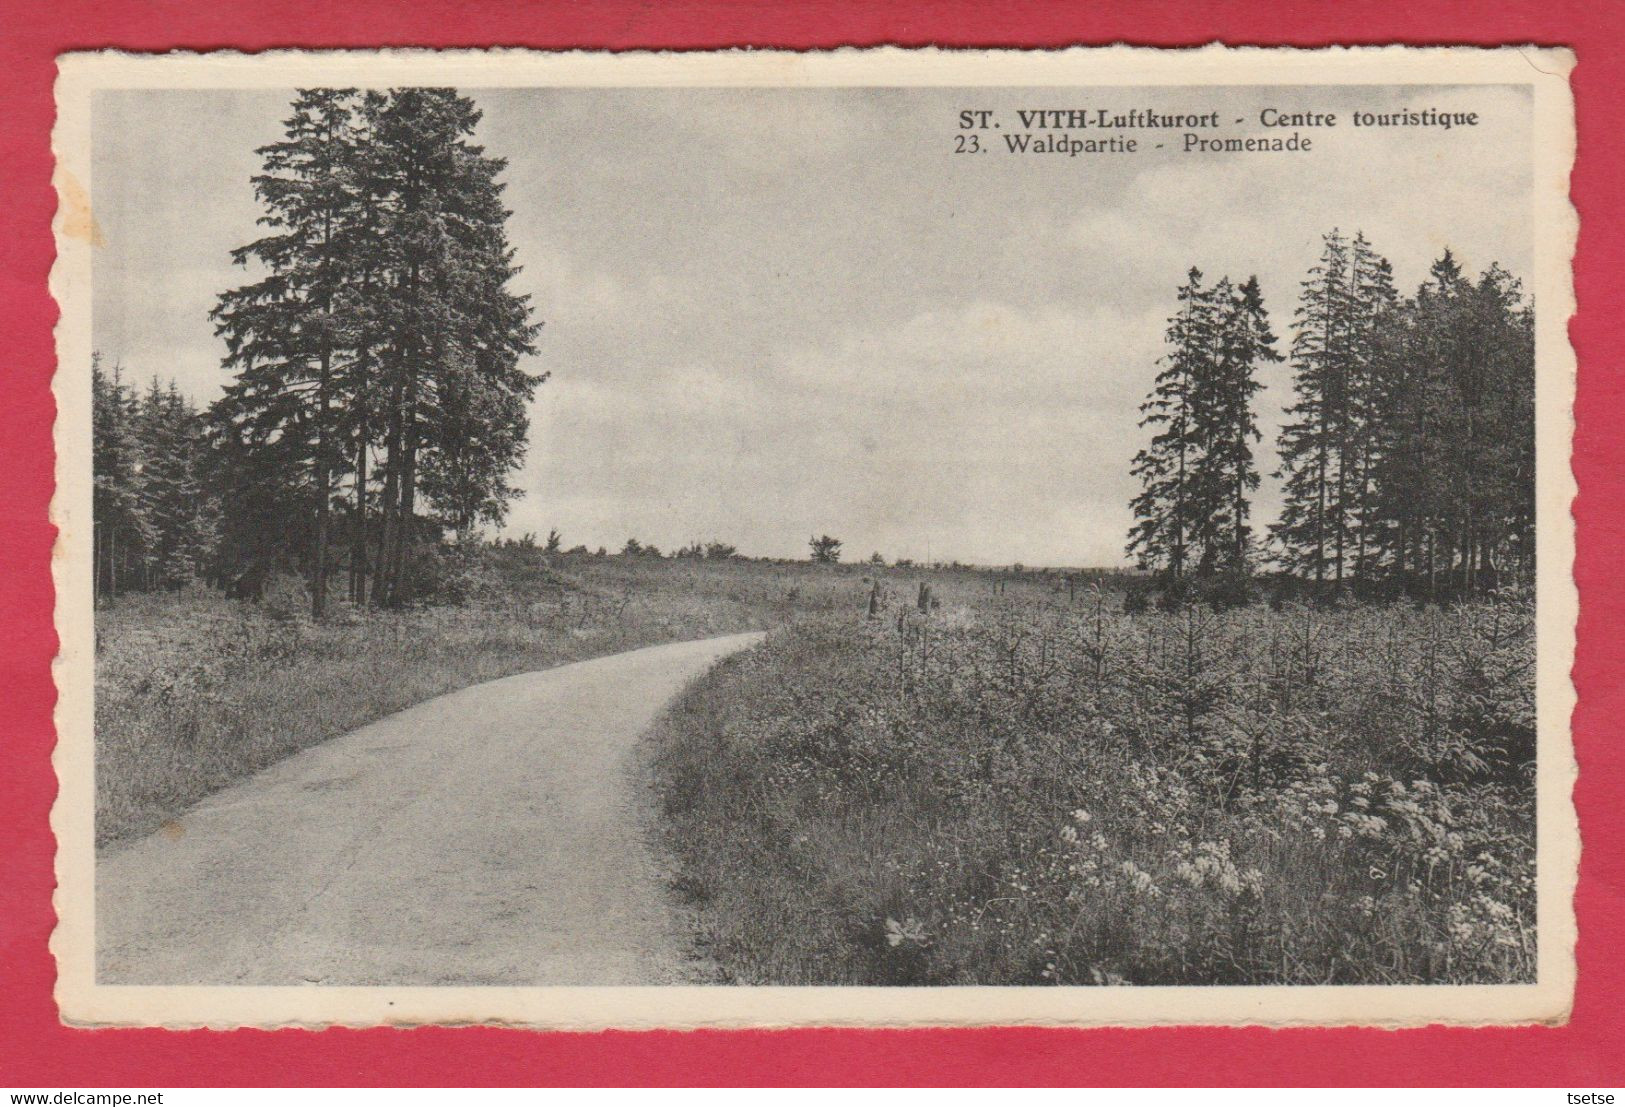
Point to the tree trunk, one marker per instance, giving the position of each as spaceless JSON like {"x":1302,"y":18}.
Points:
{"x":324,"y":390}
{"x":1179,"y":517}
{"x":1342,"y":508}
{"x":405,"y":523}
{"x":324,"y":492}
{"x":1402,"y":551}
{"x":358,"y":542}
{"x":1240,"y":523}
{"x":383,"y":582}
{"x":1360,"y":569}
{"x":1320,"y":515}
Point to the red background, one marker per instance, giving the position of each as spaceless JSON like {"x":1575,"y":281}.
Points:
{"x":36,"y":1051}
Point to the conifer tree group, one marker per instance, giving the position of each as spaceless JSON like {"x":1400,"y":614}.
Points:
{"x":1407,"y":455}
{"x":379,"y":397}
{"x":383,"y":328}
{"x":1198,"y":473}
{"x":156,"y":525}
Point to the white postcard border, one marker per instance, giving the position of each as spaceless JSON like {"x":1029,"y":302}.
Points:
{"x":84,"y":1002}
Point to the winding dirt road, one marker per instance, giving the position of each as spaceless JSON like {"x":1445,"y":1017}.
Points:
{"x":491,"y":836}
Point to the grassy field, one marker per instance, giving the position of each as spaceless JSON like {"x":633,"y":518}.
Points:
{"x":194,"y":691}
{"x":1017,"y":791}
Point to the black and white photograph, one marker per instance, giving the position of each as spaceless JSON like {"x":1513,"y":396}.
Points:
{"x":875,"y":538}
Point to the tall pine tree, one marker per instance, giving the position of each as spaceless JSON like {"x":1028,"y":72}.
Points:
{"x":1314,"y":525}
{"x":285,"y":331}
{"x":1163,"y":511}
{"x":1227,"y":427}
{"x":1374,"y":316}
{"x":124,"y":534}
{"x":1197,"y":473}
{"x":182,"y":516}
{"x":451,"y":334}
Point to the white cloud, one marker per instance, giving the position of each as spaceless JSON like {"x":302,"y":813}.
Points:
{"x":982,"y":352}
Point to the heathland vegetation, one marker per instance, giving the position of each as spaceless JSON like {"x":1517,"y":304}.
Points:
{"x":1030,"y":792}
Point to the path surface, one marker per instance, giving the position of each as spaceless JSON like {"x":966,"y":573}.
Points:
{"x":491,"y":836}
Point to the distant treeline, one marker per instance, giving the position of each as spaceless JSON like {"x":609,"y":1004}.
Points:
{"x":1407,"y":458}
{"x":157,"y":519}
{"x":378,"y":398}
{"x":716,"y":550}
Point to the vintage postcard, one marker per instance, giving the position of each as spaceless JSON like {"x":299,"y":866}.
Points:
{"x":876,"y":538}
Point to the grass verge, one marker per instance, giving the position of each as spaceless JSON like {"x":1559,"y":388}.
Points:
{"x":194,"y":691}
{"x":1025,"y":795}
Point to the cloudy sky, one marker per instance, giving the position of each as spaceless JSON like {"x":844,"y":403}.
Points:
{"x":774,"y":313}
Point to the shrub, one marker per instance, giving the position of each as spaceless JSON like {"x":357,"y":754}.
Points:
{"x":825,"y":550}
